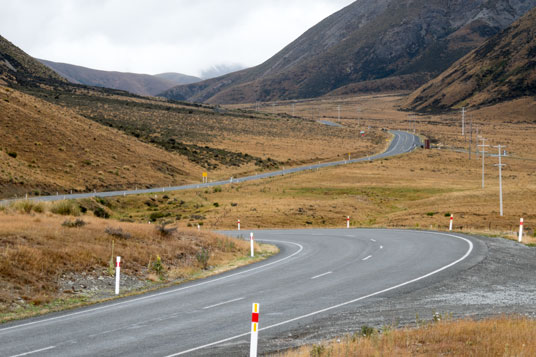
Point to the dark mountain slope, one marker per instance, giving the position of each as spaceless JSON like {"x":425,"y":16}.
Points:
{"x":17,"y":67}
{"x":409,"y":41}
{"x":142,"y":84}
{"x":503,"y":68}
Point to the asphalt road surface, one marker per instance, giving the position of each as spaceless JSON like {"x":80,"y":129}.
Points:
{"x":403,"y":142}
{"x":317,"y":275}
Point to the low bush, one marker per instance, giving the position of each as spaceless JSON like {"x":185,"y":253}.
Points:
{"x":117,"y":233}
{"x":28,"y":206}
{"x":74,"y":224}
{"x":65,"y":208}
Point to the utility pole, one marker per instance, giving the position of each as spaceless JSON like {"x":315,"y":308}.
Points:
{"x":483,"y":152}
{"x":463,"y":121}
{"x":500,"y":176}
{"x":471,"y":138}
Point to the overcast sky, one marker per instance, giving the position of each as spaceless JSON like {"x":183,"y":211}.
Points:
{"x":143,"y":36}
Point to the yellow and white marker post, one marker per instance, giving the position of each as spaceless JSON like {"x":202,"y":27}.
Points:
{"x":205,"y":177}
{"x":117,"y":274}
{"x":520,"y":239}
{"x":451,"y":219}
{"x":254,"y":330}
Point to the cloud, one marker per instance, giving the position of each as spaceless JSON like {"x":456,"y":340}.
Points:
{"x":159,"y":36}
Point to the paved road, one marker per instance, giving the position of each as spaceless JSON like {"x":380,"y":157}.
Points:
{"x":318,"y":274}
{"x":402,"y":142}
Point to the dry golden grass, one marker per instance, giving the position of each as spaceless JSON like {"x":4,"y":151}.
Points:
{"x":58,"y":150}
{"x":416,"y":190}
{"x":492,"y":337}
{"x":36,"y":249}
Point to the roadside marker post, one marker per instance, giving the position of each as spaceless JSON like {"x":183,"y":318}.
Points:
{"x":347,"y":221}
{"x":252,"y":243}
{"x":254,"y":330}
{"x":520,"y":239}
{"x":117,"y":274}
{"x":198,"y":227}
{"x":238,"y":224}
{"x":451,"y":219}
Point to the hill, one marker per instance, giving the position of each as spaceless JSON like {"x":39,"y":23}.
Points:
{"x":17,"y":67}
{"x":141,"y":84}
{"x":503,"y":68}
{"x":402,"y":42}
{"x":47,"y":148}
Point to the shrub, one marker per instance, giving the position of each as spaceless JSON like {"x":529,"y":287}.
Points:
{"x":28,"y":206}
{"x":216,"y":189}
{"x":12,"y":154}
{"x":367,"y":331}
{"x":216,"y":204}
{"x":447,"y":214}
{"x":65,"y":208}
{"x":155,"y":216}
{"x":101,"y":213}
{"x":202,"y":257}
{"x":161,"y":228}
{"x":117,"y":232}
{"x":74,"y":224}
{"x":431,"y":214}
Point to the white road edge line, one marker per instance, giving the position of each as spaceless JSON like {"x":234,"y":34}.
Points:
{"x":367,"y":258}
{"x":222,"y":303}
{"x":321,"y":275}
{"x":36,"y":351}
{"x":341,"y":304}
{"x":2,"y":330}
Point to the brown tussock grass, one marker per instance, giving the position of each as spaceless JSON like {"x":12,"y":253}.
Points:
{"x":503,"y":336}
{"x":36,"y":249}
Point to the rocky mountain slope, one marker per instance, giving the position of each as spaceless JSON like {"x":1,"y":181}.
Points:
{"x":503,"y":68}
{"x":142,"y":84}
{"x":385,"y":44}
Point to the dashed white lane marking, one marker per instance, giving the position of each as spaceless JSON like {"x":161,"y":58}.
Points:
{"x":373,"y":240}
{"x":223,"y":303}
{"x":321,"y":275}
{"x":35,"y":351}
{"x":381,"y":246}
{"x":367,"y":258}
{"x":329,"y":308}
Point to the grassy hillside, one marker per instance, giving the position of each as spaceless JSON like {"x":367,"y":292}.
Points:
{"x":502,"y":69}
{"x":47,"y":148}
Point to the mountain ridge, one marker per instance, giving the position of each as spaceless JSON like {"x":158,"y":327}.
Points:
{"x":366,"y":41}
{"x":503,"y":68}
{"x":136,"y":83}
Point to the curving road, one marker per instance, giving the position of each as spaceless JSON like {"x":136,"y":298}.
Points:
{"x":318,"y":273}
{"x":403,"y":142}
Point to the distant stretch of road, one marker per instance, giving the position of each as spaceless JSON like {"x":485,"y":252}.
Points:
{"x":402,"y":142}
{"x":319,"y":273}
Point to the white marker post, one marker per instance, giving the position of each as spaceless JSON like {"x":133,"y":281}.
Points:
{"x":238,"y":224}
{"x":520,"y":230}
{"x":198,"y":227}
{"x":117,"y":274}
{"x":347,"y":221}
{"x":254,"y":330}
{"x":252,"y":243}
{"x":451,"y":219}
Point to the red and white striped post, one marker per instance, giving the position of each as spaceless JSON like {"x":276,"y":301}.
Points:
{"x":117,"y":274}
{"x":451,"y":219}
{"x":347,"y":221}
{"x":238,"y":224}
{"x":254,"y":330}
{"x":520,"y":239}
{"x":252,"y":242}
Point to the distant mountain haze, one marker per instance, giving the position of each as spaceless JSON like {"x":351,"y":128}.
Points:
{"x":371,"y":45}
{"x":142,"y":84}
{"x":503,"y":68}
